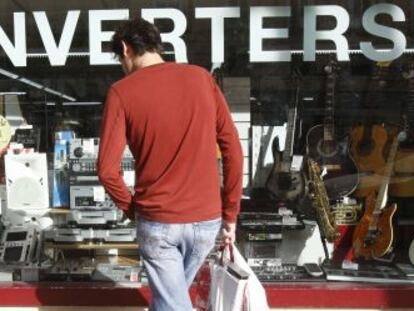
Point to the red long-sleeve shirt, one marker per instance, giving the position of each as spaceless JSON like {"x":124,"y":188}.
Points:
{"x":171,"y":116}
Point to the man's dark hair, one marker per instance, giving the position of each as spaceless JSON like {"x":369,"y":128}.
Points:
{"x":140,"y":35}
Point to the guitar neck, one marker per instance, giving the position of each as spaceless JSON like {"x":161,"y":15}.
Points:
{"x":291,"y":126}
{"x":374,"y":94}
{"x":410,"y":102}
{"x":379,"y":204}
{"x":290,"y":133}
{"x":328,"y":123}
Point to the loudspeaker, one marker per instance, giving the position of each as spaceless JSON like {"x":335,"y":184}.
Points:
{"x":26,"y":182}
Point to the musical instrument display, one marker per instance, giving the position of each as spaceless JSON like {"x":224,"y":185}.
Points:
{"x":350,"y":176}
{"x":402,"y":182}
{"x":368,"y":140}
{"x":320,"y":202}
{"x":373,"y":236}
{"x":284,"y":182}
{"x":339,"y":171}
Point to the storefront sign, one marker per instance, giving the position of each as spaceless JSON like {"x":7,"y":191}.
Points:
{"x":58,"y":50}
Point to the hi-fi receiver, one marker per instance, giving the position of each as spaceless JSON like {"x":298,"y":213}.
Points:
{"x":84,"y":171}
{"x":83,"y":154}
{"x":93,"y":218}
{"x":69,"y":235}
{"x":86,"y":192}
{"x":90,"y":198}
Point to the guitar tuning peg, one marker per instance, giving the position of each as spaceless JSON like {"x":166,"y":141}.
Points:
{"x":402,"y":136}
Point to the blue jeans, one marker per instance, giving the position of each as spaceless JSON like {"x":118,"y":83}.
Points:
{"x":172,"y":255}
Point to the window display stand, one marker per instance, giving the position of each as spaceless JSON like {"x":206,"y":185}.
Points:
{"x":297,"y":295}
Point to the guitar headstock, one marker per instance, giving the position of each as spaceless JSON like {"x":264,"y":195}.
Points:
{"x":332,"y":67}
{"x":408,"y":72}
{"x":296,"y":75}
{"x":402,"y":136}
{"x":380,"y":72}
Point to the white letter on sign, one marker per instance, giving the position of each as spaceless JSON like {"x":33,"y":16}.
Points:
{"x":311,"y":34}
{"x":217,"y":16}
{"x":173,"y":37}
{"x":16,"y":53}
{"x":57,"y":53}
{"x":257,"y":33}
{"x":396,"y":36}
{"x":97,"y":36}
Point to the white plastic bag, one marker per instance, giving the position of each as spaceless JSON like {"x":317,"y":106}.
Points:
{"x":255,"y":295}
{"x":234,"y":286}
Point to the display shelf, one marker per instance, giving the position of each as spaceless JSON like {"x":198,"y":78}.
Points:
{"x":339,"y":295}
{"x":58,"y":211}
{"x":286,"y":295}
{"x":77,"y":245}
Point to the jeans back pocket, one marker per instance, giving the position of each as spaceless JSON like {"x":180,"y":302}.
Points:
{"x":151,"y":237}
{"x":205,"y":236}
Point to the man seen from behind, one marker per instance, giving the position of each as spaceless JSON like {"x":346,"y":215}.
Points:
{"x":171,"y":116}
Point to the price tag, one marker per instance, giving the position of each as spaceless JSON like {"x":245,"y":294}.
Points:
{"x":99,"y":194}
{"x":349,"y":265}
{"x":297,"y":162}
{"x":134,"y":277}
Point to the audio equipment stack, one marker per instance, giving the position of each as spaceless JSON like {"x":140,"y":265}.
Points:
{"x":92,"y":216}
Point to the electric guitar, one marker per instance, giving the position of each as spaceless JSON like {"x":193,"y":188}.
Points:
{"x":368,"y":140}
{"x":402,"y":182}
{"x":284,"y":183}
{"x":340,"y":174}
{"x":373,"y":236}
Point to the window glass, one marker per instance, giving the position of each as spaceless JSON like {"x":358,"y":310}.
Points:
{"x":327,"y":81}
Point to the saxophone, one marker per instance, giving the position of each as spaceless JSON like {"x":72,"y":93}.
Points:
{"x":320,"y":202}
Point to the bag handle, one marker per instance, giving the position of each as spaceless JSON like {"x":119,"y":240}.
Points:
{"x":222,"y":249}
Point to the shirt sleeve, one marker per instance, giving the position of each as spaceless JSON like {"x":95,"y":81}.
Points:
{"x":232,"y":158}
{"x":111,"y":148}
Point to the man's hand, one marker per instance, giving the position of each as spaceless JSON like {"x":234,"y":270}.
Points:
{"x":130,"y":213}
{"x":229,"y":233}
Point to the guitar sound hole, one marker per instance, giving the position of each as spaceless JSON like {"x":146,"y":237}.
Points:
{"x":284,"y":181}
{"x":365,"y":147}
{"x":327,"y":148}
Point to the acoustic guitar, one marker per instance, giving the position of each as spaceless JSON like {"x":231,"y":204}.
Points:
{"x":284,"y":183}
{"x":402,"y":181}
{"x":368,"y":140}
{"x":340,"y":174}
{"x":373,"y":236}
